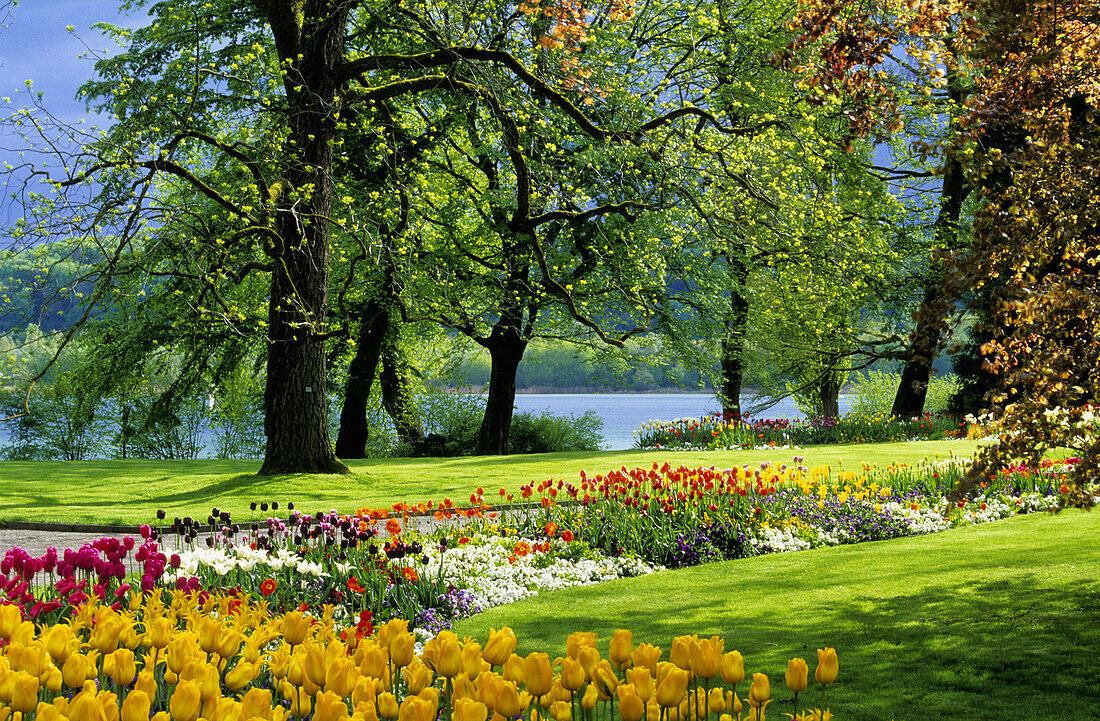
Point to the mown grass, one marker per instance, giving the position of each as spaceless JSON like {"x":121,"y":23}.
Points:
{"x":131,"y":491}
{"x":993,"y":622}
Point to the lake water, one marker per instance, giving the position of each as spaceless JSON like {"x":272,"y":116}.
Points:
{"x":623,"y":413}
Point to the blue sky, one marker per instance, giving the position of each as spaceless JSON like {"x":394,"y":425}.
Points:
{"x":35,"y":45}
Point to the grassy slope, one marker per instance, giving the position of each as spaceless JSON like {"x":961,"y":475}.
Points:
{"x":131,"y":491}
{"x":990,"y":622}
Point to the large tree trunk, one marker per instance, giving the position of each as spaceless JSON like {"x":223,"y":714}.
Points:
{"x":295,"y":410}
{"x":734,"y":327}
{"x":829,"y":391}
{"x":924,"y":342}
{"x":396,"y":396}
{"x":351,"y":439}
{"x":506,"y":348}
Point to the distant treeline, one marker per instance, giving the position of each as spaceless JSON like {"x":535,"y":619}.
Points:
{"x":564,"y":367}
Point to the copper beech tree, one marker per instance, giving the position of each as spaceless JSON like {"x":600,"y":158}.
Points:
{"x":1028,"y":142}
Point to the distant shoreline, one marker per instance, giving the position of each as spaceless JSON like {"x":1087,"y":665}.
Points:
{"x":586,"y":390}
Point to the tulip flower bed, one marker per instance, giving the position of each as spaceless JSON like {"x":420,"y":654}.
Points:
{"x":368,"y":566}
{"x":185,"y":655}
{"x":716,"y":433}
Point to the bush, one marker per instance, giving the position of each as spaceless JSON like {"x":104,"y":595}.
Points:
{"x":874,"y":393}
{"x":452,"y":421}
{"x":550,"y":434}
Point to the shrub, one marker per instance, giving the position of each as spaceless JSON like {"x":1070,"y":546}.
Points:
{"x":550,"y":434}
{"x":874,"y":393}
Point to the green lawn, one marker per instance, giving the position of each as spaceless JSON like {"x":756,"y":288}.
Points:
{"x":131,"y":491}
{"x":993,"y":622}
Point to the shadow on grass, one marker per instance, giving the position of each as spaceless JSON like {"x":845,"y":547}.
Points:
{"x":1013,"y":648}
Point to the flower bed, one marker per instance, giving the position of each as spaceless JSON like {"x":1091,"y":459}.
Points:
{"x":186,"y":655}
{"x":717,"y":433}
{"x":368,"y":567}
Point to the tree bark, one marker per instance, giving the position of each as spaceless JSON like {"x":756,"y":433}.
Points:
{"x":830,"y":395}
{"x":925,"y":339}
{"x":311,"y":45}
{"x":351,"y":439}
{"x":506,"y":348}
{"x":396,"y":397}
{"x":734,"y":327}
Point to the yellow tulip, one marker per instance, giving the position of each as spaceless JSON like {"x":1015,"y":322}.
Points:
{"x":295,"y":627}
{"x":622,"y":645}
{"x":513,"y":669}
{"x":159,"y":633}
{"x":465,"y":709}
{"x":671,"y":690}
{"x":316,"y":664}
{"x":365,"y":689}
{"x":733,"y":668}
{"x":375,"y":660}
{"x":402,"y":649}
{"x":387,"y":705}
{"x":125,"y":667}
{"x":760,"y":691}
{"x":827,"y":666}
{"x":680,"y":655}
{"x":508,"y":701}
{"x":716,"y":700}
{"x":24,"y":691}
{"x":798,"y":675}
{"x":60,"y":643}
{"x":239,"y":676}
{"x":631,"y":705}
{"x":449,"y":660}
{"x":578,"y":640}
{"x":590,"y":698}
{"x":256,"y":702}
{"x":76,"y":671}
{"x":136,"y":706}
{"x":572,"y":674}
{"x":646,"y":655}
{"x":186,"y":701}
{"x":48,"y":712}
{"x":642,"y":680}
{"x":414,"y":708}
{"x":705,"y":656}
{"x":605,"y":679}
{"x":329,"y":707}
{"x":230,"y":644}
{"x":463,"y":687}
{"x":418,"y":676}
{"x":537,"y":674}
{"x":210,"y":634}
{"x":471,"y":659}
{"x":500,"y":646}
{"x":588,"y":657}
{"x":561,"y":711}
{"x":10,"y":618}
{"x":301,"y":702}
